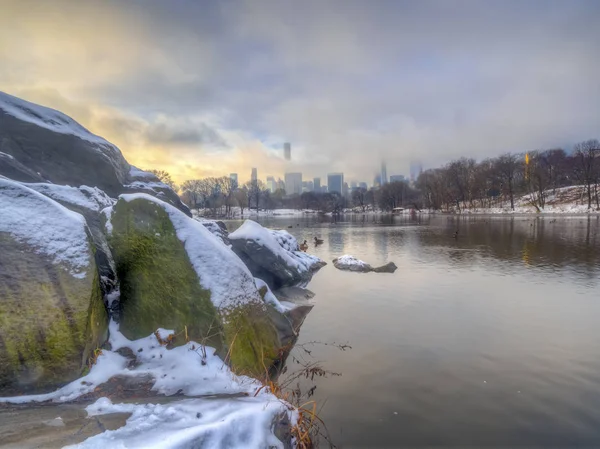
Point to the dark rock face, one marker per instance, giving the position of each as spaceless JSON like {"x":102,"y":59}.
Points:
{"x":59,"y":158}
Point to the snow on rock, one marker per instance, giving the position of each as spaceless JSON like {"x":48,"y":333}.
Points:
{"x":281,"y":243}
{"x":139,"y":175}
{"x":348,"y":262}
{"x":91,"y":198}
{"x":217,"y":228}
{"x":220,"y":270}
{"x":49,"y":228}
{"x":271,"y":299}
{"x":48,"y":118}
{"x":242,"y":417}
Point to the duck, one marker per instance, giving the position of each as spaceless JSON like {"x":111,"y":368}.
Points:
{"x":304,"y":246}
{"x":318,"y":241}
{"x":456,"y":234}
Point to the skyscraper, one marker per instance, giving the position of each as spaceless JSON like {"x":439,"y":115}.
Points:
{"x":377,"y":181}
{"x":271,"y":184}
{"x":362,"y":185}
{"x":317,"y":184}
{"x":384,"y":178}
{"x":293,"y":183}
{"x":287,"y":151}
{"x":254,"y":175}
{"x":415,"y":170}
{"x":234,"y":179}
{"x":335,"y":182}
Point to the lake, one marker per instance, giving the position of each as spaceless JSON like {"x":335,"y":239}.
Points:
{"x":490,"y":339}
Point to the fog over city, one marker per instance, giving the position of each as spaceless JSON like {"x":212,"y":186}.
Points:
{"x":203,"y":88}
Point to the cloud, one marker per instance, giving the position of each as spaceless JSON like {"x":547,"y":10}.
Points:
{"x":206,"y":88}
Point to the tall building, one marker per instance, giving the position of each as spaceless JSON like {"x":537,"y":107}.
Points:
{"x":287,"y":151}
{"x":317,"y":184}
{"x":415,"y":170}
{"x":384,"y":178}
{"x":271,"y":184}
{"x":335,"y":182}
{"x":397,"y":178}
{"x":377,"y":181}
{"x":280,"y":184}
{"x":307,"y":186}
{"x":293,"y":183}
{"x":254,"y":175}
{"x":362,"y":185}
{"x":234,"y":179}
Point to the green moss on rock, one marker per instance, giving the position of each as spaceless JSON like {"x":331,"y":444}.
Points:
{"x":49,"y":320}
{"x":159,"y":287}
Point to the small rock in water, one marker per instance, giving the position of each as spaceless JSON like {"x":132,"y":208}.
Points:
{"x":56,"y":422}
{"x":395,"y":413}
{"x":485,"y":381}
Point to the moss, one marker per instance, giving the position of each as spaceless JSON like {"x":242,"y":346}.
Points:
{"x":252,"y":340}
{"x":159,"y":286}
{"x":44,"y":320}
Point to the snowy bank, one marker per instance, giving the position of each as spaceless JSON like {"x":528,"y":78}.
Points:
{"x":243,"y":416}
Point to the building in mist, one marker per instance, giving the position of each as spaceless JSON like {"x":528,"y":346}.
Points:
{"x":234,"y":179}
{"x":377,"y":181}
{"x":271,"y":184}
{"x":345,"y":189}
{"x":287,"y":151}
{"x":397,"y":178}
{"x":383,"y":173}
{"x":307,"y":186}
{"x":317,"y":184}
{"x":335,"y":183}
{"x":254,"y":175}
{"x":280,"y":184}
{"x":362,"y":185}
{"x":416,"y":168}
{"x":293,"y":183}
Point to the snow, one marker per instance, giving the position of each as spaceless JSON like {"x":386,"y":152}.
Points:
{"x":351,"y":263}
{"x":215,"y":229}
{"x":48,"y":227}
{"x":241,"y":417}
{"x":281,"y":243}
{"x":151,"y":185}
{"x":6,"y":155}
{"x":271,"y":299}
{"x":137,"y":174}
{"x":219,"y":269}
{"x":48,"y":118}
{"x":233,"y":423}
{"x":107,"y":212}
{"x":91,"y":198}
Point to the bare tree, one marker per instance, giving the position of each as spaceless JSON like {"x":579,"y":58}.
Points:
{"x":165,"y":177}
{"x":508,"y":167}
{"x":587,"y":157}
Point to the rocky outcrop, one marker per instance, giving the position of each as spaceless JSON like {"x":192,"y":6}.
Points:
{"x":52,"y":315}
{"x":39,"y":144}
{"x":273,"y":256}
{"x":351,"y":263}
{"x":175,"y":274}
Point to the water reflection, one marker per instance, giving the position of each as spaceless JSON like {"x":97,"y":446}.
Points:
{"x":490,"y":339}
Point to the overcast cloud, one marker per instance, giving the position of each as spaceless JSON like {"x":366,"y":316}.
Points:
{"x":206,"y":88}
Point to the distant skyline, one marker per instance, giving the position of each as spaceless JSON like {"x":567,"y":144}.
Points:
{"x":209,"y":88}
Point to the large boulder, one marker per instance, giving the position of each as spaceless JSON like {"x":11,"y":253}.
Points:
{"x":175,"y":274}
{"x":52,"y":315}
{"x":39,"y":144}
{"x":57,"y":148}
{"x":273,"y":256}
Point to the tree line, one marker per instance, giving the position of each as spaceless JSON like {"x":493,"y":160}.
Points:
{"x":466,"y":183}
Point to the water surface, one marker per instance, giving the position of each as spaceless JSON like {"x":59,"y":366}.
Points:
{"x":488,"y":340}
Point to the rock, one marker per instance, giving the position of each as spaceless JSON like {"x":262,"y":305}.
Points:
{"x":273,"y":256}
{"x":39,"y":144}
{"x":389,"y":267}
{"x":351,"y":263}
{"x":52,"y":315}
{"x":56,"y":148}
{"x":217,"y":228}
{"x":176,"y":275}
{"x":140,"y":181}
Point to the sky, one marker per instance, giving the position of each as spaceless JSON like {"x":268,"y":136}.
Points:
{"x":205,"y":88}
